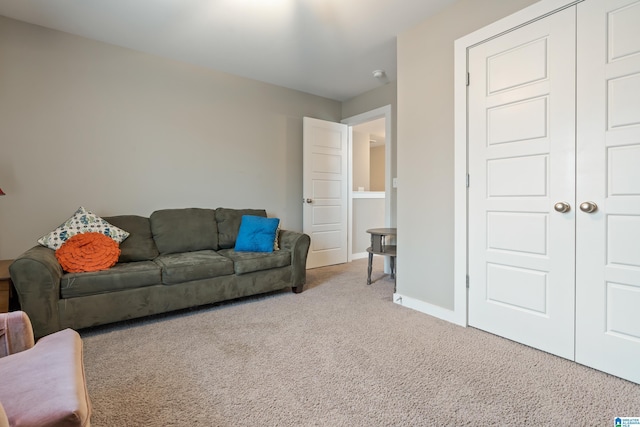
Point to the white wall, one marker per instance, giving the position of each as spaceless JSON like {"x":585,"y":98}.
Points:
{"x":123,"y":132}
{"x":425,"y":146}
{"x":360,"y":160}
{"x":377,"y":168}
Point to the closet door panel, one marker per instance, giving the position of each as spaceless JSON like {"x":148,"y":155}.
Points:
{"x":521,"y":163}
{"x":608,"y":175}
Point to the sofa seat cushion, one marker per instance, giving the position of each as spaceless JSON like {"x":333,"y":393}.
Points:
{"x":248,"y":262}
{"x":188,"y":266}
{"x":126,"y":275}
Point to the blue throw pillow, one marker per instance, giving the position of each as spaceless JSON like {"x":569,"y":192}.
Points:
{"x":256,"y":234}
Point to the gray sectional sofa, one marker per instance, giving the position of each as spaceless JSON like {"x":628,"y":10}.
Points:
{"x":175,"y":259}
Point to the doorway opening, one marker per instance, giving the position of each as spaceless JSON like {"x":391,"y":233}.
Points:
{"x":370,"y":182}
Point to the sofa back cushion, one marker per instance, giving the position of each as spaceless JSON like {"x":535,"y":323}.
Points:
{"x":184,"y":230}
{"x":139,"y":246}
{"x":229,"y":223}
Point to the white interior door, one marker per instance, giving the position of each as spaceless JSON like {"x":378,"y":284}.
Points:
{"x":324,"y":189}
{"x":608,"y":140}
{"x":521,"y":101}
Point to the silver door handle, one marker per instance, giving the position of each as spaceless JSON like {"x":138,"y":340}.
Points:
{"x":562,"y":207}
{"x":588,"y":207}
{"x":307,"y":200}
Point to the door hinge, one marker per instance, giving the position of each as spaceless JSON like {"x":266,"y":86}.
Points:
{"x":468,"y":78}
{"x":467,"y":180}
{"x":467,"y":281}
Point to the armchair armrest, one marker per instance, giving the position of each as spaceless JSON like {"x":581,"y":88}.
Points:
{"x":298,"y":244}
{"x":46,"y":385}
{"x":36,"y":276}
{"x":4,"y":422}
{"x":16,"y":334}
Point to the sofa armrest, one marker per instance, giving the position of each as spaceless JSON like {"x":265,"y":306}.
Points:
{"x":298,"y":244}
{"x":36,"y":276}
{"x":16,"y":334}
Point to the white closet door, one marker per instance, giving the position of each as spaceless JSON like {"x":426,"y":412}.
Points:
{"x":608,"y":141}
{"x":521,"y":163}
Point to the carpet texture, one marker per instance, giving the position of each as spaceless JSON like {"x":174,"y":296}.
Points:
{"x":339,"y":354}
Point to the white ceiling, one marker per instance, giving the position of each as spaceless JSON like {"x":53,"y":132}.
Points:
{"x":324,"y":47}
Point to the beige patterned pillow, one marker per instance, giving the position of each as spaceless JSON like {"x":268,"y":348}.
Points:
{"x":276,"y":241}
{"x":82,"y":221}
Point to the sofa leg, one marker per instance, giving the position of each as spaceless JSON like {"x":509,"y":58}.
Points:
{"x":297,"y":289}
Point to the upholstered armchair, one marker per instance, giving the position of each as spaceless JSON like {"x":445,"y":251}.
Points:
{"x":41,"y":384}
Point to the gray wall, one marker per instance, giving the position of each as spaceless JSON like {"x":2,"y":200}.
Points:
{"x":123,"y":132}
{"x":367,"y":213}
{"x":425,"y":146}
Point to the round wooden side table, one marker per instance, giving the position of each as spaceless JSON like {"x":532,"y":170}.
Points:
{"x":379,"y":247}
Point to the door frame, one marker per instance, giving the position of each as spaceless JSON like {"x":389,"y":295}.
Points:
{"x":461,"y":165}
{"x":378,"y":113}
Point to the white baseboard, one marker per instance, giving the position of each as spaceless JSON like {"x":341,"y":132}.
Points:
{"x":359,"y":255}
{"x":430,"y":309}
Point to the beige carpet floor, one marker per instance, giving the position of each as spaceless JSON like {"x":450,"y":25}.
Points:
{"x":339,"y":354}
